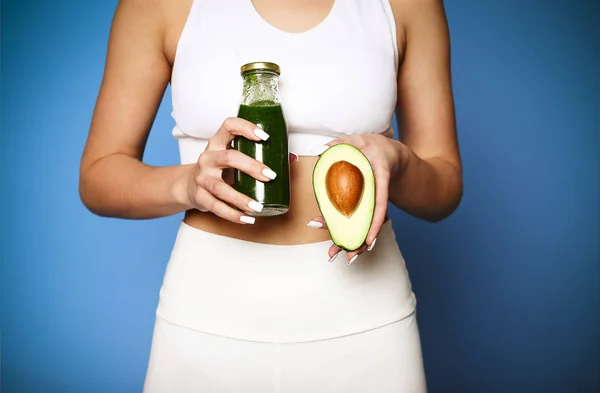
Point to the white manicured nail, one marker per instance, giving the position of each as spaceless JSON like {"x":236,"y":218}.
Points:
{"x":269,"y":173}
{"x":372,"y":245}
{"x":247,"y":219}
{"x":333,"y":257}
{"x":317,"y":151}
{"x":353,"y":259}
{"x":261,"y":134}
{"x":314,"y":224}
{"x":257,"y":207}
{"x":297,"y":156}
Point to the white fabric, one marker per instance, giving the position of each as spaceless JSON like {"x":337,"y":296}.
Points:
{"x":278,"y":293}
{"x":337,"y":79}
{"x":383,"y":360}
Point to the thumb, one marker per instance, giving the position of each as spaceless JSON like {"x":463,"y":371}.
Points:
{"x":337,"y":142}
{"x":317,"y":151}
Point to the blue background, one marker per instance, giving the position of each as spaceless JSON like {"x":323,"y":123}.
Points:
{"x":508,"y":287}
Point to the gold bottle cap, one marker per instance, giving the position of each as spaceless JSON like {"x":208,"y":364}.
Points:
{"x":260,"y":66}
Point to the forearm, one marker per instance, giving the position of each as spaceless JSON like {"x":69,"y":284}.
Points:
{"x":430,"y":188}
{"x":121,"y":186}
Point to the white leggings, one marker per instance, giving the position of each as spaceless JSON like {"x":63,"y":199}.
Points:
{"x":383,"y":360}
{"x":243,"y":317}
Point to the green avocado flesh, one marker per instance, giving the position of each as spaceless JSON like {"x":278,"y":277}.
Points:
{"x":344,"y":186}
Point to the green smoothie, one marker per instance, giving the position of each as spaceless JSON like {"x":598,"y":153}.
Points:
{"x":261,"y":106}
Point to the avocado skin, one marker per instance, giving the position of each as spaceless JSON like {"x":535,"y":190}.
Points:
{"x":341,"y":242}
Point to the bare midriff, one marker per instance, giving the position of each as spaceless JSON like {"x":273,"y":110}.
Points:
{"x":289,"y":228}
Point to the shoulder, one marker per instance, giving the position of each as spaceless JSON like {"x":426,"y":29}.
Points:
{"x":141,"y":19}
{"x":412,"y":15}
{"x":159,"y":21}
{"x":406,"y":10}
{"x":149,"y":12}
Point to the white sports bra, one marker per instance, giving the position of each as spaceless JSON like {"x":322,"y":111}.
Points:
{"x":337,"y":79}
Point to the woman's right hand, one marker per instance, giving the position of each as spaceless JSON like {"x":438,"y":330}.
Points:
{"x":206,"y":187}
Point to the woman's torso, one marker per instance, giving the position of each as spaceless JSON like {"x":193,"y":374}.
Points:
{"x":243,"y":289}
{"x":338,"y":60}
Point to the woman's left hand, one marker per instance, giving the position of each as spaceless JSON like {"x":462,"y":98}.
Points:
{"x":386,"y":157}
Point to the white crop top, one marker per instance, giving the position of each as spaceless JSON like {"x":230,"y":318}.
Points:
{"x":337,"y":79}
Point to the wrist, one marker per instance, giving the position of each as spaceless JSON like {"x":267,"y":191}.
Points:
{"x":179,"y":188}
{"x":402,"y":156}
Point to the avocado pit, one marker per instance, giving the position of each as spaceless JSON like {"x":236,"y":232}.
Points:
{"x":344,"y":183}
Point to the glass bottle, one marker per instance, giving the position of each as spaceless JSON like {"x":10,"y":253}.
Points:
{"x":261,"y":105}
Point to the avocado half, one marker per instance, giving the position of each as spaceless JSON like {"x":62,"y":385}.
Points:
{"x":344,"y":186}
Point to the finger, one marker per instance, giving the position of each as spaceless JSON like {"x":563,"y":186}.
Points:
{"x":294,"y":157}
{"x":233,"y":127}
{"x":353,"y":255}
{"x":337,"y":142}
{"x":317,"y":223}
{"x":349,"y":140}
{"x":226,"y":193}
{"x":318,"y":150}
{"x":382,"y":183}
{"x":358,"y":141}
{"x":355,"y":141}
{"x":202,"y":200}
{"x":234,"y":159}
{"x":333,"y":252}
{"x":221,"y":209}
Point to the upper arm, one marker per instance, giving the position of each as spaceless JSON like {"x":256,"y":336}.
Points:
{"x":425,"y":100}
{"x":135,"y":77}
